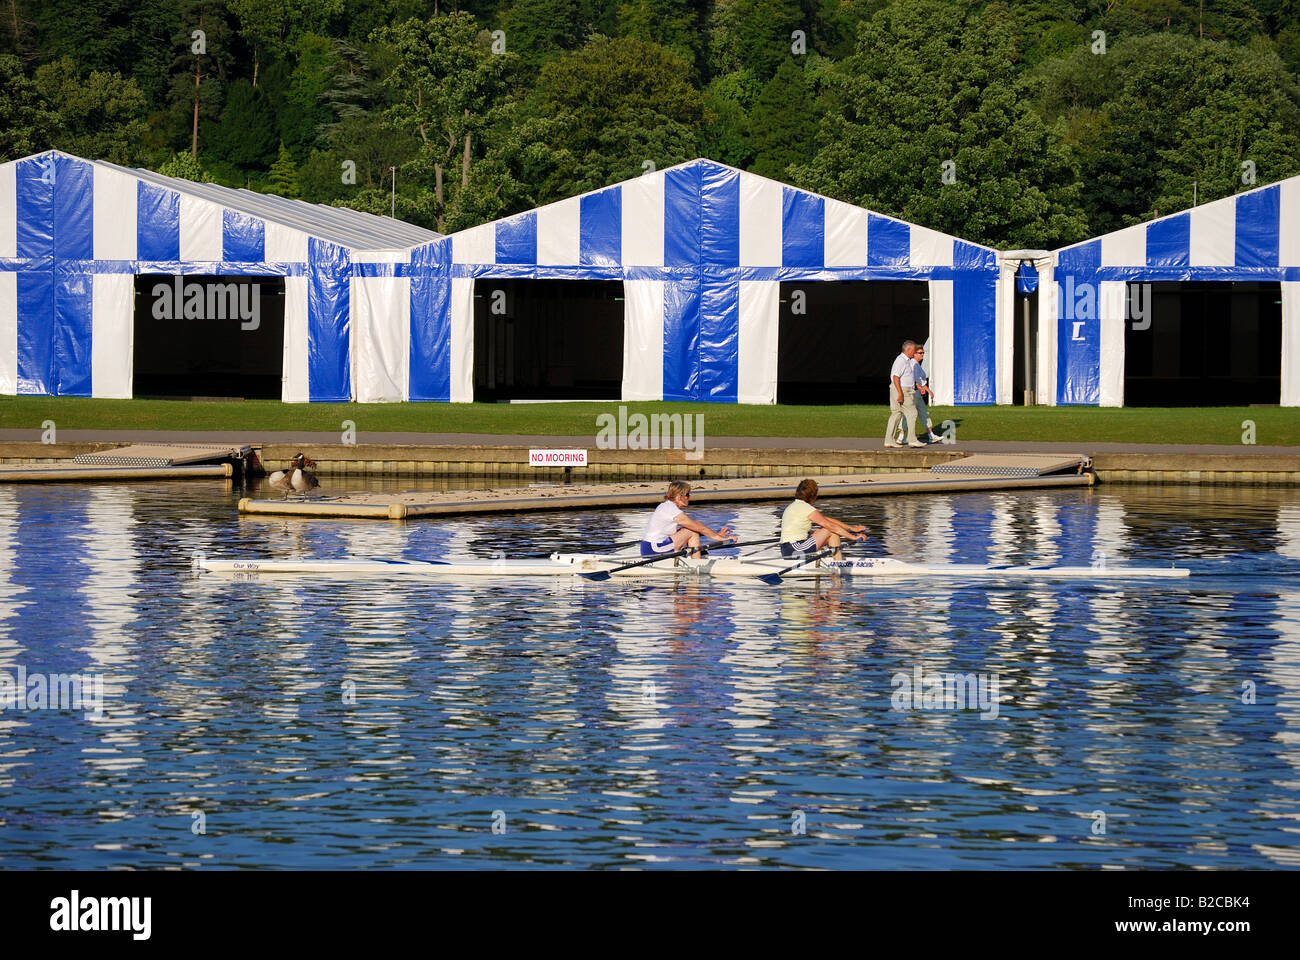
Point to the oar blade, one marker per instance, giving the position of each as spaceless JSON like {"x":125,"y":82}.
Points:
{"x":596,"y":577}
{"x":771,"y":579}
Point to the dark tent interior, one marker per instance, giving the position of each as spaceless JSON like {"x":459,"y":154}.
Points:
{"x":837,"y":339}
{"x":1209,"y":344}
{"x":548,"y":339}
{"x":222,"y":337}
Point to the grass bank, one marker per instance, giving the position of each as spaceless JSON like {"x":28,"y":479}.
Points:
{"x":1274,"y":426}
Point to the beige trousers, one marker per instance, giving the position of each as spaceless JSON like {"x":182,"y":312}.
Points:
{"x":905,"y":410}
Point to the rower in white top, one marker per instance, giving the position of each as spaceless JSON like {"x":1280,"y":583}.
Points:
{"x":670,"y":528}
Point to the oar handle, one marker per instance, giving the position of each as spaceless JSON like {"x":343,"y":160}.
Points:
{"x":775,"y":578}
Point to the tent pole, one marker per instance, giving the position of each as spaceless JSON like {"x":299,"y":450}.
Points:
{"x":1029,"y":363}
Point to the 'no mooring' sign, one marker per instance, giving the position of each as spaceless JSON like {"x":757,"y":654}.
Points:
{"x":557,"y":458}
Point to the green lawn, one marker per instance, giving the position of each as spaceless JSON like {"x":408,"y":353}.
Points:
{"x":1274,"y":426}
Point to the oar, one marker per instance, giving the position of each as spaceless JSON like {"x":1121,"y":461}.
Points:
{"x":715,"y":545}
{"x":775,"y":578}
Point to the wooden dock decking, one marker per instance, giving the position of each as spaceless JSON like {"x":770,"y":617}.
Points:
{"x":138,"y":461}
{"x":400,"y":506}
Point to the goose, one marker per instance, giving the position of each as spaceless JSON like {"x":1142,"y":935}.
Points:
{"x":280,"y":480}
{"x":299,"y":479}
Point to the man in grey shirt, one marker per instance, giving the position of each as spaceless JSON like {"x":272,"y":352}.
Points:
{"x":902,"y":397}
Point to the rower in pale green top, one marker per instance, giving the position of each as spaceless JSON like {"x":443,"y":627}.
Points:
{"x":797,"y":535}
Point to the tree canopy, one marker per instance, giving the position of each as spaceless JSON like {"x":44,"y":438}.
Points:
{"x":1038,"y":122}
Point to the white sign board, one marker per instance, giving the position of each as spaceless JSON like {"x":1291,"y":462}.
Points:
{"x":557,"y":458}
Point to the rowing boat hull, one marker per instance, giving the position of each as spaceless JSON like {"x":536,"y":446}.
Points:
{"x":568,"y":565}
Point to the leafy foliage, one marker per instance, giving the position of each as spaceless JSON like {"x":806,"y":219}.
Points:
{"x":1061,"y":118}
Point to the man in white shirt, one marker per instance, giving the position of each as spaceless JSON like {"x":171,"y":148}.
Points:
{"x":902,"y":397}
{"x":670,"y":529}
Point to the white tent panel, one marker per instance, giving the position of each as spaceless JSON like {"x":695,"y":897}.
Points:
{"x":8,"y":210}
{"x":112,"y":336}
{"x":1045,"y":375}
{"x":1214,"y":234}
{"x":462,"y":340}
{"x":8,"y":332}
{"x":760,"y":221}
{"x":1125,"y":248}
{"x":284,"y":244}
{"x":201,"y":228}
{"x":643,"y":221}
{"x":114,"y":215}
{"x":476,"y":245}
{"x":1113,"y":299}
{"x":296,"y":387}
{"x":846,"y":235}
{"x":643,"y":340}
{"x":1289,"y":224}
{"x":559,"y":232}
{"x":383,"y":344}
{"x":1290,"y":344}
{"x":929,"y":248}
{"x":1004,"y":330}
{"x":760,"y":316}
{"x":939,"y":358}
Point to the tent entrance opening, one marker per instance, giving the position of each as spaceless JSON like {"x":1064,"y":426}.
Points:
{"x":1024,"y":391}
{"x":837,"y":339}
{"x":210,"y":336}
{"x":1203,"y":344}
{"x":548,"y":339}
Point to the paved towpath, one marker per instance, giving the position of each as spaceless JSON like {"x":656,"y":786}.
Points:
{"x":749,"y":443}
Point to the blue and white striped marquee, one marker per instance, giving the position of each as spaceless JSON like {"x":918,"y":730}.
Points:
{"x":74,"y":233}
{"x":1252,"y":236}
{"x":701,"y":249}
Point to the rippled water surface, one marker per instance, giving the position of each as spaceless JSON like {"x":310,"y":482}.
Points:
{"x":298,"y":722}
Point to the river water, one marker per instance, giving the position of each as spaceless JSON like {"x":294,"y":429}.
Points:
{"x":297,"y":722}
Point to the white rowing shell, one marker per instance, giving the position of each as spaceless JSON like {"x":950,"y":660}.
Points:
{"x":571,"y":564}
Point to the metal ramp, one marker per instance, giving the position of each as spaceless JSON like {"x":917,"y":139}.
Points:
{"x":1015,"y":464}
{"x":165,"y":454}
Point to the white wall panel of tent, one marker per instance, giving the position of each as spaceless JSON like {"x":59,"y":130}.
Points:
{"x":1252,"y":236}
{"x":701,"y":249}
{"x":74,"y":233}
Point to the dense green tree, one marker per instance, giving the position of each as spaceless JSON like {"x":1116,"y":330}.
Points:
{"x":271,"y":26}
{"x":1158,"y":112}
{"x":203,"y":58}
{"x":246,"y":134}
{"x":538,"y":29}
{"x":185,"y":167}
{"x":782,"y":123}
{"x":928,"y":125}
{"x":444,"y":80}
{"x":755,"y":35}
{"x":284,"y":175}
{"x":28,"y":123}
{"x":608,"y":109}
{"x":1044,"y":133}
{"x":724,"y":135}
{"x":100,"y":117}
{"x":673,"y":24}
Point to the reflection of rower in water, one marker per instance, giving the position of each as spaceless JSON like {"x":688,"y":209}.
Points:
{"x":670,"y":529}
{"x":798,"y":519}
